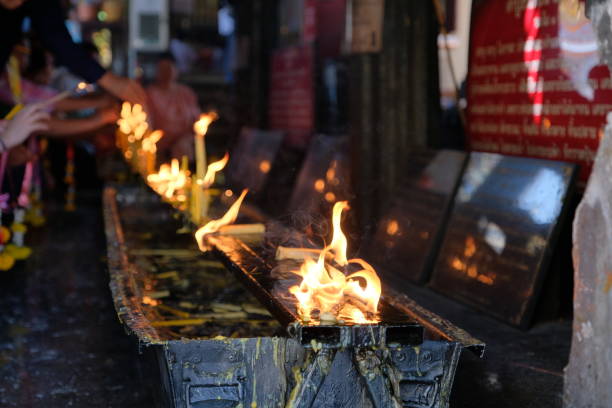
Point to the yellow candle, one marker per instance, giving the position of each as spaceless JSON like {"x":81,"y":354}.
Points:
{"x":201,"y":127}
{"x":194,"y":202}
{"x":200,"y":151}
{"x":205,"y":202}
{"x":185,"y":164}
{"x":150,"y":157}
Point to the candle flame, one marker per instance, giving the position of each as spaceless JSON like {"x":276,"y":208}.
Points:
{"x":213,"y":169}
{"x":149,"y":143}
{"x":213,"y":226}
{"x":140,"y":130}
{"x":169,"y":180}
{"x":328,"y":290}
{"x":339,"y":244}
{"x":133,"y":119}
{"x":126,"y":109}
{"x":201,"y":125}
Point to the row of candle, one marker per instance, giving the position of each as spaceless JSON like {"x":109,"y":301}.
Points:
{"x":172,"y":181}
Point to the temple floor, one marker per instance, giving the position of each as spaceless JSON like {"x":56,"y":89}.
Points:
{"x":61,"y":343}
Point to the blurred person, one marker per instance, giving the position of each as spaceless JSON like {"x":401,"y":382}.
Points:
{"x":173,"y":108}
{"x":98,"y":113}
{"x":184,"y":55}
{"x":227,"y":28}
{"x":47,"y":20}
{"x":36,"y":89}
{"x":35,"y":68}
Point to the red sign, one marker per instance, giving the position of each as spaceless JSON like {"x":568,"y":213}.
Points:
{"x":331,"y":17}
{"x":536,"y":86}
{"x":292,"y":93}
{"x":310,"y":21}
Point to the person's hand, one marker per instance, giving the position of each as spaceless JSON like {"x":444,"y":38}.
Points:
{"x":125,"y":89}
{"x":29,"y":120}
{"x":101,"y":101}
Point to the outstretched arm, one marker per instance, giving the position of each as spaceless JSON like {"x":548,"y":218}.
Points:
{"x":48,"y":21}
{"x":61,"y":128}
{"x":85,"y":102}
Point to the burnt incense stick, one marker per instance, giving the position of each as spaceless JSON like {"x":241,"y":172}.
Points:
{"x":298,"y":254}
{"x":180,"y":322}
{"x":242,"y":229}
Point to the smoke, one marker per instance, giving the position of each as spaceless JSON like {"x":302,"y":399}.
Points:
{"x":300,"y":229}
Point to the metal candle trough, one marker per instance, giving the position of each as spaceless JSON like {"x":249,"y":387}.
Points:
{"x":406,"y":360}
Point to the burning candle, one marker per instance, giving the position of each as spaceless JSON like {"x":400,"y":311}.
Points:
{"x":170,"y":182}
{"x":209,"y":179}
{"x":201,"y":127}
{"x":213,"y":226}
{"x":325,"y":287}
{"x":194,"y":202}
{"x":149,"y":146}
{"x":132,"y":135}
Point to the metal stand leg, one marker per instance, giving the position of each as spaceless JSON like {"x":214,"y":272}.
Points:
{"x":305,"y":392}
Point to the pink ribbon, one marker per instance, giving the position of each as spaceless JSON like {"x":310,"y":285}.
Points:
{"x":24,"y":196}
{"x":4,"y":201}
{"x":4,"y":198}
{"x":24,"y":199}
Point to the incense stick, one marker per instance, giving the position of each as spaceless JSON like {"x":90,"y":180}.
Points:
{"x":242,"y":229}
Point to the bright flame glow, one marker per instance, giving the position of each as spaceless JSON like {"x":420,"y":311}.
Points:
{"x":264,"y":166}
{"x":169,"y":180}
{"x":338,"y":244}
{"x":133,"y":120}
{"x":201,"y":126}
{"x":213,"y":169}
{"x":214,"y":225}
{"x":319,"y":185}
{"x":392,"y":227}
{"x":149,"y":143}
{"x":326,"y":289}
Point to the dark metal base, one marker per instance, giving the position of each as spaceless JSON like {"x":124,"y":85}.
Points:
{"x":278,"y":371}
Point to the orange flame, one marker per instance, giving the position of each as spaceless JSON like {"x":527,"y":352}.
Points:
{"x":133,"y":120}
{"x":169,"y":179}
{"x":338,"y":244}
{"x":214,"y":225}
{"x":213,"y":169}
{"x":329,"y":290}
{"x":149,"y":143}
{"x":201,"y":126}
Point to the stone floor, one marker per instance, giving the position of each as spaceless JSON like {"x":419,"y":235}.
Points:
{"x":520,"y":368}
{"x":61,"y":344}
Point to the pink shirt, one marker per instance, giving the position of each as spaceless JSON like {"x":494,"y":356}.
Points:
{"x":31,"y":92}
{"x":173,"y":110}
